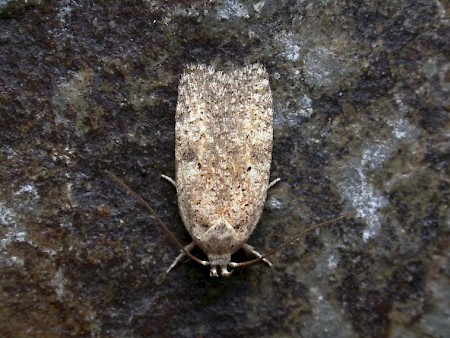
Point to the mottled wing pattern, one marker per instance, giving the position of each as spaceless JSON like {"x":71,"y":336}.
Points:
{"x":223,"y":147}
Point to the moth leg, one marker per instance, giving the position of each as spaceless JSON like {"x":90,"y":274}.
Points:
{"x":170,"y":179}
{"x":188,"y":248}
{"x":251,"y":250}
{"x":271,"y":184}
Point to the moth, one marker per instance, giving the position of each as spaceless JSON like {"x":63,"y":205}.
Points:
{"x":223,"y":153}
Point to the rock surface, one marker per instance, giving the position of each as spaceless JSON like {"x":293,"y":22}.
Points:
{"x":361,"y":98}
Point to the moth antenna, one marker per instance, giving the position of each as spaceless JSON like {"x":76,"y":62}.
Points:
{"x":155,"y":215}
{"x":292,"y":240}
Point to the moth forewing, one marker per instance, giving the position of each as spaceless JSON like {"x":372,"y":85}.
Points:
{"x":223,"y":151}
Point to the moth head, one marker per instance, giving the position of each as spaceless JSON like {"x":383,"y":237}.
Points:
{"x":221,"y":262}
{"x":223,"y":271}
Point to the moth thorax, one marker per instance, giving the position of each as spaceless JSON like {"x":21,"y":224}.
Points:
{"x":220,"y":241}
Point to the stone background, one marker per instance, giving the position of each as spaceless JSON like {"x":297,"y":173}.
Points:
{"x":361,"y":98}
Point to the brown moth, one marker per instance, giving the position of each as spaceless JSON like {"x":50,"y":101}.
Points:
{"x":223,"y":151}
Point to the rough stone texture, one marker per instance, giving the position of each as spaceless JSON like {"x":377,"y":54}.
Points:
{"x":361,"y":92}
